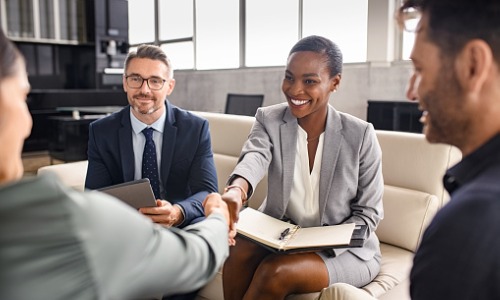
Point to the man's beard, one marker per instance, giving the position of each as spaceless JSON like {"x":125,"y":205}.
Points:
{"x":447,"y":122}
{"x":146,"y":112}
{"x":135,"y":105}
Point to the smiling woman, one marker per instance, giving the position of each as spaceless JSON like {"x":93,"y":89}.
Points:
{"x":324,"y":168}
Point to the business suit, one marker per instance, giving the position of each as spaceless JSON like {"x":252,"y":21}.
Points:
{"x":187,"y":168}
{"x":58,"y":243}
{"x":351,"y":183}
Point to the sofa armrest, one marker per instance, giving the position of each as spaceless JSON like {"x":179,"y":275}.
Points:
{"x":71,"y":174}
{"x":406,"y":215}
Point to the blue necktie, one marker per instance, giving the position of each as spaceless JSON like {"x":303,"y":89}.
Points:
{"x":149,"y":162}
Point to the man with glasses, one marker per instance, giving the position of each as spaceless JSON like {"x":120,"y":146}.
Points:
{"x":174,"y":143}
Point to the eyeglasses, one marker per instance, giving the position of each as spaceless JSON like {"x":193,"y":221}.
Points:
{"x":136,"y":82}
{"x":411,"y":20}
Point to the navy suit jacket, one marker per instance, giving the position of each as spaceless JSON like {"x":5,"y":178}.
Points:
{"x":187,"y":168}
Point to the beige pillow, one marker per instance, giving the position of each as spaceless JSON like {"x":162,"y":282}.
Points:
{"x":344,"y":291}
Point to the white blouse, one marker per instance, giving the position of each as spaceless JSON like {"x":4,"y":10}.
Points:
{"x":303,"y":207}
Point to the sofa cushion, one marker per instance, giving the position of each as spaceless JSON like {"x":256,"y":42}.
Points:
{"x":228,"y":132}
{"x":406,"y":215}
{"x":394,"y":269}
{"x":224,"y":164}
{"x":344,"y":291}
{"x":409,"y":161}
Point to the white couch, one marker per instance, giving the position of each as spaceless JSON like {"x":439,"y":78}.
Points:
{"x":413,"y":193}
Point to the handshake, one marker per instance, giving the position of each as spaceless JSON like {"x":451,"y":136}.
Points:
{"x":215,"y":203}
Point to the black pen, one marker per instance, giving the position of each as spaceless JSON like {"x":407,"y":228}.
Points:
{"x":284,"y":233}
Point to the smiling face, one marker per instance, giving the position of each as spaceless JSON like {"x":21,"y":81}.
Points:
{"x":446,"y":117}
{"x":15,"y":122}
{"x":148,"y":105}
{"x":307,"y":84}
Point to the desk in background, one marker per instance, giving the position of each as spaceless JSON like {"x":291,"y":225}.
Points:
{"x":77,"y":111}
{"x":70,"y":134}
{"x":394,"y":115}
{"x":44,"y":104}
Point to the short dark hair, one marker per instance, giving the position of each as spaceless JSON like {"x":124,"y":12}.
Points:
{"x":152,"y":52}
{"x":8,"y":57}
{"x":452,"y":23}
{"x":320,"y":44}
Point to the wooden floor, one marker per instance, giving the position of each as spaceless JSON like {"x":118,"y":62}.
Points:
{"x":32,"y":161}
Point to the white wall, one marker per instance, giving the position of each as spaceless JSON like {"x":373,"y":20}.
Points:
{"x":207,"y":90}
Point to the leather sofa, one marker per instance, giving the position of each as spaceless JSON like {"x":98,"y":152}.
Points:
{"x":413,"y":192}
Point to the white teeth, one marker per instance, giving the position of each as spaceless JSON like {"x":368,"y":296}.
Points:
{"x":299,"y":102}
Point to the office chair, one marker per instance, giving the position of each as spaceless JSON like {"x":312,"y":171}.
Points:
{"x":242,"y":104}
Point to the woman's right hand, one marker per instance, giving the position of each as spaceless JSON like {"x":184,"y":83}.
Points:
{"x":233,"y":199}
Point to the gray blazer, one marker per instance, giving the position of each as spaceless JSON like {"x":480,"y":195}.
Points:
{"x":351,"y":183}
{"x":57,"y":243}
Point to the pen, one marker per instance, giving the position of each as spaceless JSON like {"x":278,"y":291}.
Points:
{"x":284,"y":233}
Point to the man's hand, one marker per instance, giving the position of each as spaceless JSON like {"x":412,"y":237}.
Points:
{"x":213,"y":203}
{"x":164,"y":213}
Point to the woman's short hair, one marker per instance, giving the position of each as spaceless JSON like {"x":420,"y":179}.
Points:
{"x":322,"y":45}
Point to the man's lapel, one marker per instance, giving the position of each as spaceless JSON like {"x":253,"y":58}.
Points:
{"x":168,"y":144}
{"x":126,"y":147}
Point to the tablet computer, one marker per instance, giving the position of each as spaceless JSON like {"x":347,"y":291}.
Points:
{"x":137,"y":193}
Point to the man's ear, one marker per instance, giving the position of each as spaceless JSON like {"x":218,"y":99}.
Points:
{"x":473,"y":64}
{"x":124,"y":82}
{"x":335,"y":82}
{"x":171,"y":86}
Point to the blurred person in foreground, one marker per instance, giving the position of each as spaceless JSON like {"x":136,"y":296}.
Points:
{"x":456,"y":81}
{"x":57,"y":243}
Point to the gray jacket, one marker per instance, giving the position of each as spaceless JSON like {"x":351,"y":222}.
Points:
{"x":56,"y":243}
{"x":351,"y":183}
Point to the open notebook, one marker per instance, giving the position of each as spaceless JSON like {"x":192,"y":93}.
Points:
{"x":282,"y":236}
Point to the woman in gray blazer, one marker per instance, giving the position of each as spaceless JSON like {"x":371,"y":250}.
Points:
{"x":324,"y":168}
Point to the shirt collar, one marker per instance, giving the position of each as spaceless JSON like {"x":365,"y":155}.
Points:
{"x":472,"y":165}
{"x":138,"y":126}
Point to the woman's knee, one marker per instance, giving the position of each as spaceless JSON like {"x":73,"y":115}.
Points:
{"x":271,"y":271}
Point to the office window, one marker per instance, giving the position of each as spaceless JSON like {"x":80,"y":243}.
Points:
{"x":272,"y":28}
{"x":62,"y":21}
{"x":217,"y":34}
{"x":181,"y":55}
{"x":343,"y":22}
{"x":47,"y":27}
{"x":68,"y":18}
{"x":176,"y":19}
{"x":141,"y":18}
{"x":19,"y":14}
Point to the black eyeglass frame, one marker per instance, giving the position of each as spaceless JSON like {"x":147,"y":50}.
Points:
{"x":147,"y":82}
